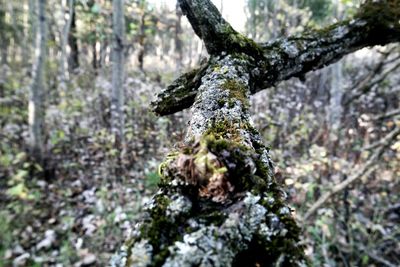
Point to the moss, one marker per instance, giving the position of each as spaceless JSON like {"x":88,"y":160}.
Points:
{"x":179,"y":95}
{"x":246,"y":170}
{"x":381,"y":13}
{"x":160,"y":230}
{"x":164,"y":167}
{"x":237,"y":91}
{"x":220,"y":130}
{"x":238,"y":43}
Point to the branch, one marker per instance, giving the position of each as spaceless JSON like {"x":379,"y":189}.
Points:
{"x":217,"y":34}
{"x":377,"y":23}
{"x":180,"y":94}
{"x":377,"y":258}
{"x":388,"y":115}
{"x":365,"y":88}
{"x":366,"y":170}
{"x":391,"y":136}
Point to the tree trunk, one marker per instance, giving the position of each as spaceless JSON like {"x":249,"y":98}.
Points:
{"x":64,"y":42}
{"x":73,"y":57}
{"x":36,"y":100}
{"x":142,"y":37}
{"x":178,"y":38}
{"x":4,"y":42}
{"x":94,"y":55}
{"x":336,"y":91}
{"x":117,"y":94}
{"x":218,"y":203}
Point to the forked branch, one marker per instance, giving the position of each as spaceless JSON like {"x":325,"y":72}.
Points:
{"x":376,"y":23}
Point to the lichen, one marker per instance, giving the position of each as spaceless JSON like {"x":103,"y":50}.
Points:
{"x":218,"y":202}
{"x":235,"y":42}
{"x":237,"y":91}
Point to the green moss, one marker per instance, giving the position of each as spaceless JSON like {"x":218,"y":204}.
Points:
{"x":237,"y":91}
{"x":238,"y":43}
{"x":163,"y":168}
{"x":246,"y":172}
{"x":220,"y":130}
{"x":160,"y":230}
{"x":381,"y":13}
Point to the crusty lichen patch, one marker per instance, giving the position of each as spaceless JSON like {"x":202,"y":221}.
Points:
{"x":218,"y":203}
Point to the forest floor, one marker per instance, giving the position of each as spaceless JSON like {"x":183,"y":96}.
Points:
{"x":78,"y":210}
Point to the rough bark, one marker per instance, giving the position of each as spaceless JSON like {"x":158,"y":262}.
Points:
{"x":336,"y":90}
{"x":117,"y":94}
{"x":36,"y":100}
{"x":142,"y":37}
{"x":178,"y":38}
{"x":4,"y":42}
{"x":377,"y":23}
{"x":73,"y":57}
{"x":64,"y":41}
{"x":218,"y":203}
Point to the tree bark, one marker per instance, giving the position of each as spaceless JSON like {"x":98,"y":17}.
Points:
{"x":73,"y":57}
{"x":178,"y":38}
{"x":64,"y":42}
{"x":336,"y":90}
{"x":117,"y":94}
{"x":4,"y":42}
{"x":142,"y":36}
{"x":218,"y":203}
{"x":36,"y":100}
{"x":285,"y":58}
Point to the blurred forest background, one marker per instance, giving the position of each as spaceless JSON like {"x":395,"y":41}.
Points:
{"x":80,"y":147}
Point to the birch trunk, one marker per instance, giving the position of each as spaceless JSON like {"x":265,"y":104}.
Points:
{"x":37,"y":88}
{"x":117,"y":94}
{"x":336,"y":91}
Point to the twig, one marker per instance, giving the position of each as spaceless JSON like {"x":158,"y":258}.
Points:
{"x":364,"y":88}
{"x":366,"y":170}
{"x":391,"y":136}
{"x":388,"y":115}
{"x":377,"y":258}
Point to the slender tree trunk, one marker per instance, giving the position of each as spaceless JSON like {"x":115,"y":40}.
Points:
{"x":178,"y":38}
{"x":36,"y":100}
{"x":336,"y":91}
{"x":103,"y":53}
{"x":4,"y":42}
{"x":64,"y":75}
{"x":117,"y":94}
{"x":73,"y":57}
{"x":94,"y":55}
{"x":142,"y":37}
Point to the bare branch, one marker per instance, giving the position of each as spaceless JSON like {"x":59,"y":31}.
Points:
{"x":217,"y":34}
{"x":377,"y":258}
{"x":377,"y":23}
{"x":388,"y":115}
{"x":297,"y":55}
{"x":366,"y":87}
{"x":180,"y":94}
{"x":366,"y":170}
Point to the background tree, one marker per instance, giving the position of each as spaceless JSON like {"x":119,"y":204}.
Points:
{"x":77,"y":206}
{"x":117,"y":95}
{"x":37,"y":90}
{"x":73,"y":56}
